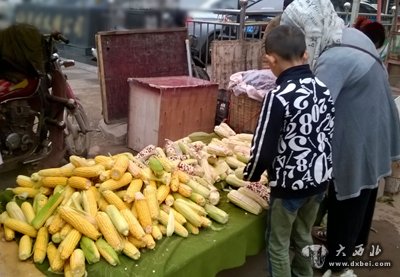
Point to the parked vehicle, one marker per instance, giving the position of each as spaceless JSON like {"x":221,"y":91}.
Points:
{"x":208,"y":25}
{"x":42,"y":121}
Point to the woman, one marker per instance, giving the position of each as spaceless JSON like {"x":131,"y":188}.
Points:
{"x":366,"y":137}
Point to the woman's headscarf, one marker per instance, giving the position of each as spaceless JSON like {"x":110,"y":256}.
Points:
{"x":318,"y":20}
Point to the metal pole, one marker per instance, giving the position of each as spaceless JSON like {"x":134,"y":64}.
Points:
{"x":243,"y":5}
{"x":354,"y":11}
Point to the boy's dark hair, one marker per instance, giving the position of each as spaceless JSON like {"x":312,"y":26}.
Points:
{"x":288,"y":42}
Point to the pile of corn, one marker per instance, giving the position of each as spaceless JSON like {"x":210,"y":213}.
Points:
{"x":111,"y":205}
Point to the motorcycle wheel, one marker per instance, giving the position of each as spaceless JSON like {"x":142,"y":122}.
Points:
{"x":77,"y":139}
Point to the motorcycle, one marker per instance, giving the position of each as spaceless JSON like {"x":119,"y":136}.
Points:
{"x":42,"y":121}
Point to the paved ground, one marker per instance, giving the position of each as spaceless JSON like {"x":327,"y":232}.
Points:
{"x":83,"y":79}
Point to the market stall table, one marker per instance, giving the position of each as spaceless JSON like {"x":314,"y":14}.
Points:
{"x":213,"y":250}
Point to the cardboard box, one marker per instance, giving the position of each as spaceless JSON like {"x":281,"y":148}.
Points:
{"x":169,"y":108}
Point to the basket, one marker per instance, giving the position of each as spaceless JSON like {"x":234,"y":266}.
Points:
{"x":243,"y":113}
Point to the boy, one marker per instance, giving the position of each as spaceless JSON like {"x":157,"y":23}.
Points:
{"x":292,"y":142}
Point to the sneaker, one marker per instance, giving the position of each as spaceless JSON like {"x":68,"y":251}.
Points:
{"x":345,"y":273}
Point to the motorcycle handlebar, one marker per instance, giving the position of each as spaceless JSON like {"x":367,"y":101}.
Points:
{"x":58,"y":36}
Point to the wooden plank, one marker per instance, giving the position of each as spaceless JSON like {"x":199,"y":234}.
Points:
{"x":132,"y":54}
{"x":229,"y":57}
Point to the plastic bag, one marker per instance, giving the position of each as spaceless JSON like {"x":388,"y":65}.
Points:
{"x":255,"y":83}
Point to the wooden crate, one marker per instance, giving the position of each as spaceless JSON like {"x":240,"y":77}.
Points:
{"x":243,"y":113}
{"x":169,"y":108}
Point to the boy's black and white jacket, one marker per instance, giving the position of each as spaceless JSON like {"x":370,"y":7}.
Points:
{"x":293,"y":137}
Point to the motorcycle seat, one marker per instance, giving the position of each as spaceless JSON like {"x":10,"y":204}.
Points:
{"x":25,"y":88}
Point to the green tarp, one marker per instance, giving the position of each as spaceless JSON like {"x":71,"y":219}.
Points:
{"x":202,"y":255}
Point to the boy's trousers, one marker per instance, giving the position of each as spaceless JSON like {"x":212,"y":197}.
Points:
{"x":289,"y":224}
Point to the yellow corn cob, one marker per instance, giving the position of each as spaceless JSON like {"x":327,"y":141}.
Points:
{"x":121,"y":193}
{"x":9,"y":234}
{"x":120,"y":167}
{"x":118,"y":220}
{"x":143,"y":212}
{"x":90,"y":250}
{"x":68,"y":245}
{"x":106,"y":161}
{"x":162,"y":193}
{"x":169,"y":200}
{"x":105,"y":175}
{"x":77,"y":263}
{"x":183,"y":177}
{"x":44,"y":213}
{"x":130,"y":250}
{"x":150,"y":193}
{"x":149,"y":240}
{"x":89,"y":202}
{"x":152,"y":183}
{"x":174,"y":181}
{"x":109,"y":231}
{"x":28,"y":211}
{"x":107,"y":252}
{"x":244,"y":202}
{"x":191,"y":228}
{"x":198,"y":198}
{"x":52,"y":182}
{"x":56,"y":238}
{"x":67,"y":270}
{"x":56,"y":224}
{"x":134,"y":186}
{"x":75,"y":201}
{"x":195,"y":207}
{"x":20,"y":227}
{"x":25,"y":191}
{"x":95,"y":192}
{"x":178,"y":217}
{"x":68,"y":192}
{"x":112,"y":184}
{"x":134,"y":169}
{"x":138,"y":243}
{"x":79,"y":222}
{"x":65,"y":230}
{"x":55,"y":261}
{"x":205,"y":222}
{"x":88,"y":171}
{"x":102,"y":203}
{"x":14,"y":211}
{"x":113,"y":199}
{"x":39,"y":249}
{"x":39,"y":201}
{"x":156,"y":232}
{"x":190,"y":215}
{"x":179,"y":229}
{"x":54,"y":256}
{"x":25,"y":181}
{"x":216,"y":213}
{"x":163,"y":229}
{"x":48,"y":221}
{"x":25,"y":248}
{"x":81,"y":183}
{"x":134,"y":226}
{"x":58,"y":171}
{"x":35,"y":177}
{"x":184,"y":190}
{"x":46,"y":190}
{"x":196,"y":187}
{"x":79,"y":161}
